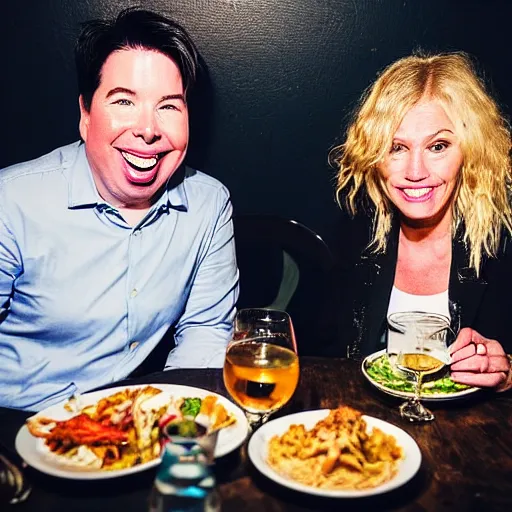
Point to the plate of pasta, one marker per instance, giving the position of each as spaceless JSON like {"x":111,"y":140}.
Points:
{"x":339,"y":453}
{"x":118,"y":431}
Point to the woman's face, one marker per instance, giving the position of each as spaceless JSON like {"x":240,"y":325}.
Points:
{"x":421,"y":169}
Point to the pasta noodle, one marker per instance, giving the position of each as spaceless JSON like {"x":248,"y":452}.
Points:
{"x":337,"y":453}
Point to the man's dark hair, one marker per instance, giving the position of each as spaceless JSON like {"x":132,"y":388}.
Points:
{"x":133,"y":28}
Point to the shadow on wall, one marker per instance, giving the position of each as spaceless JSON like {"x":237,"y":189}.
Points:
{"x":200,"y":103}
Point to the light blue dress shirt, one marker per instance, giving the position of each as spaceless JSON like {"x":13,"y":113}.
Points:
{"x":84,"y":297}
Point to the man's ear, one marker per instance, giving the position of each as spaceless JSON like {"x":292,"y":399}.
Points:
{"x":84,"y":119}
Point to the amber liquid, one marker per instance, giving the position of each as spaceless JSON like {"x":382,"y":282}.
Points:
{"x":261,"y":377}
{"x":422,"y":364}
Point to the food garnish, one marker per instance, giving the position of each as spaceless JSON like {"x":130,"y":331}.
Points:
{"x":381,"y":371}
{"x":337,"y":453}
{"x":191,"y":407}
{"x":124,"y":429}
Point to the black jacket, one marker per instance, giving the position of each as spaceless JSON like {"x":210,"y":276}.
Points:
{"x":365,"y":281}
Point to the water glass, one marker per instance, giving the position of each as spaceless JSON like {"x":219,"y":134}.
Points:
{"x":185,"y":480}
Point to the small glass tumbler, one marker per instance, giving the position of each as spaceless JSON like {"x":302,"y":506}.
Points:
{"x":185,"y":480}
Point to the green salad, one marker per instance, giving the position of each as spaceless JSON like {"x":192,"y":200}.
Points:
{"x":380,"y":371}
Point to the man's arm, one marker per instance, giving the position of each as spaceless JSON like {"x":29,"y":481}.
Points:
{"x":10,"y":263}
{"x":205,"y":327}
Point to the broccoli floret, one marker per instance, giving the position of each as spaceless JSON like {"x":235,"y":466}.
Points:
{"x":190,"y":407}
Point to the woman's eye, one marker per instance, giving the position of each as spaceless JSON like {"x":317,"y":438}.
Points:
{"x":395,"y":147}
{"x":439,"y":146}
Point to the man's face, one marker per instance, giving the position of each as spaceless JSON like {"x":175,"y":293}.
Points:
{"x":136,"y":131}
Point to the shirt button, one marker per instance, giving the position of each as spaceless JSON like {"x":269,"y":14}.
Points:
{"x":133,"y":293}
{"x":134,"y":345}
{"x":136,"y":232}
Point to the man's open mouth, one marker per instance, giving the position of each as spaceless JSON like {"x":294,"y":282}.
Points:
{"x":141,"y":169}
{"x":140,"y":163}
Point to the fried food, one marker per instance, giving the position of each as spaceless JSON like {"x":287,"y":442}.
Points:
{"x":337,"y":453}
{"x":216,"y":412}
{"x":122,"y":429}
{"x":81,"y":429}
{"x":148,"y":408}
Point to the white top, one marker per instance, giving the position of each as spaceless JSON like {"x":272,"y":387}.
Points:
{"x":402,"y":301}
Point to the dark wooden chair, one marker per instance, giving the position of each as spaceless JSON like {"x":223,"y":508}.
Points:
{"x":285,"y":265}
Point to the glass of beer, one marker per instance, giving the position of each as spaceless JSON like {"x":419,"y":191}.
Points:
{"x":418,"y":348}
{"x":261,"y":369}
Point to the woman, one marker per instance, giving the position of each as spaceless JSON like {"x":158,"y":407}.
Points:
{"x":427,"y":155}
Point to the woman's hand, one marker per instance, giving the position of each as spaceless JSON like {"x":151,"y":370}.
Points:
{"x":479,"y":361}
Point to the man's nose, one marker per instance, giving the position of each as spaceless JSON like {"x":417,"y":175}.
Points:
{"x":147,"y":126}
{"x":417,"y":170}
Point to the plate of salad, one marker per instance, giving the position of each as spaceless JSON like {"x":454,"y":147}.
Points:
{"x":380,"y":373}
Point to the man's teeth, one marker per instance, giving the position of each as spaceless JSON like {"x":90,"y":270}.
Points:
{"x":137,"y":161}
{"x":416,"y":192}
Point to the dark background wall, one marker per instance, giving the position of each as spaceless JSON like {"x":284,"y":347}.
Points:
{"x":284,"y":77}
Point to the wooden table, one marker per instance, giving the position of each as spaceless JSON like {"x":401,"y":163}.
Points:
{"x":467,"y":453}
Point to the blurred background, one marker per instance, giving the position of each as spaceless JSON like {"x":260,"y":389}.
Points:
{"x":284,"y":76}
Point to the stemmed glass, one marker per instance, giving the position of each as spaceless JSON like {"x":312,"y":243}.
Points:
{"x":252,"y":322}
{"x":418,"y":346}
{"x":261,"y":370}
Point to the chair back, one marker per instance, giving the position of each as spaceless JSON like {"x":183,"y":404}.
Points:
{"x":285,"y":265}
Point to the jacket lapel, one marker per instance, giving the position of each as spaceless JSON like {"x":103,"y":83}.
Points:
{"x":378,"y":281}
{"x":465,"y":288}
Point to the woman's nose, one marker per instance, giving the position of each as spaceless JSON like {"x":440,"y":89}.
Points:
{"x":417,"y":169}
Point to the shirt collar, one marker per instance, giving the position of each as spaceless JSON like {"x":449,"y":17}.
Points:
{"x":82,"y":190}
{"x":175,"y":192}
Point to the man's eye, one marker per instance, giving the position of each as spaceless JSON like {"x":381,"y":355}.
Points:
{"x":170,"y":107}
{"x":123,"y":101}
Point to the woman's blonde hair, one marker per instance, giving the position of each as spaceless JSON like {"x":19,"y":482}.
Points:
{"x":481,"y":200}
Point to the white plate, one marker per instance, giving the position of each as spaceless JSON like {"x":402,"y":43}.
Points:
{"x":434,"y":397}
{"x":35,"y":453}
{"x":258,"y":450}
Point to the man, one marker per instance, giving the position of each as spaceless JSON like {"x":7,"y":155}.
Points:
{"x":106,"y":244}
